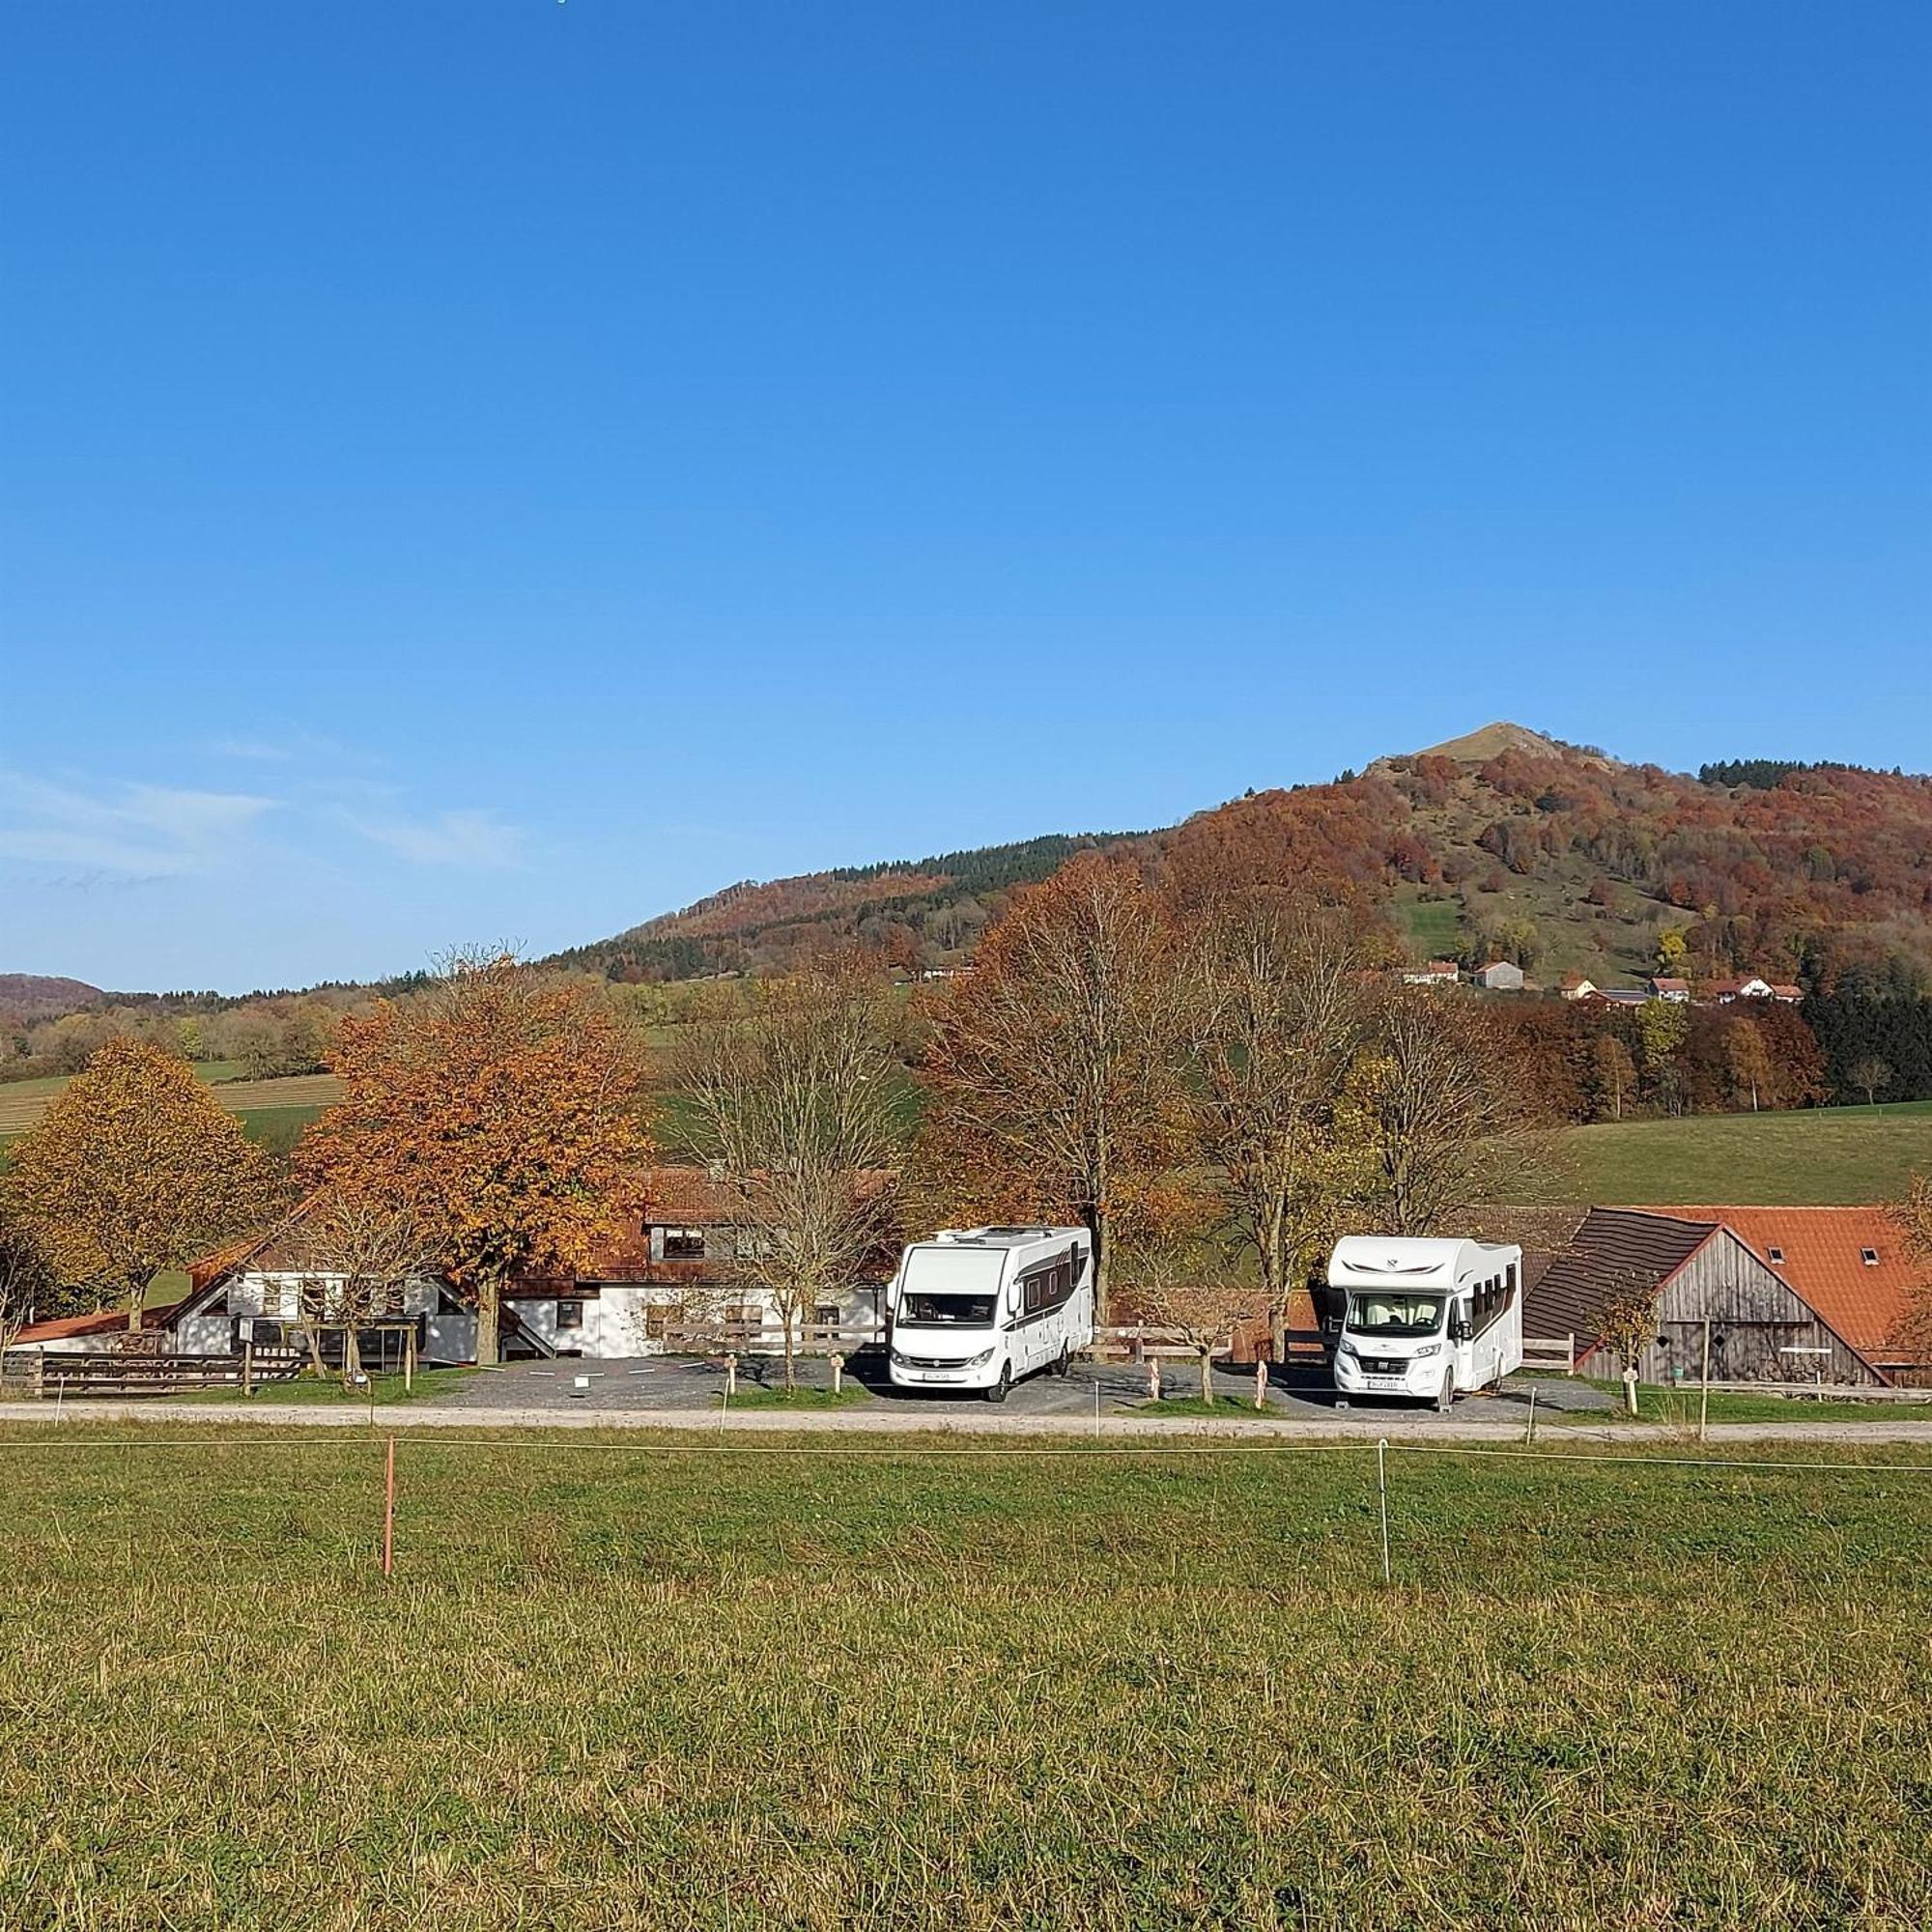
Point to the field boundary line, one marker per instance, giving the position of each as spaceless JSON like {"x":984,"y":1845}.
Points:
{"x":854,"y":1452}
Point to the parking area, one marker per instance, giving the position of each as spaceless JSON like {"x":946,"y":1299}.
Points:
{"x":686,"y":1383}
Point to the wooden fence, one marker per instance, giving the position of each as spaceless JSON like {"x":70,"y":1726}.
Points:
{"x":1150,"y":1341}
{"x":119,"y":1373}
{"x":766,"y":1338}
{"x":1550,"y":1352}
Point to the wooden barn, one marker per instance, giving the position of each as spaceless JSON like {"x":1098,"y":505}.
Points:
{"x":1761,"y":1328}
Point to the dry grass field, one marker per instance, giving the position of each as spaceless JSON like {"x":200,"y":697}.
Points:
{"x":680,"y":1683}
{"x":22,"y":1102}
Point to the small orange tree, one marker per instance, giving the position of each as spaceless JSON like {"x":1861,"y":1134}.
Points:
{"x":135,"y":1167}
{"x":499,"y":1109}
{"x":1177,"y":1270}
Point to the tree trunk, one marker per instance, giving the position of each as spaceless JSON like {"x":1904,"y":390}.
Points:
{"x":1208,"y":1377}
{"x":488,"y":1303}
{"x":352,"y":1358}
{"x":790,"y":1316}
{"x":1097,"y":1227}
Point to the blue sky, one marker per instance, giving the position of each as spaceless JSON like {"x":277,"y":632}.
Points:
{"x":500,"y":470}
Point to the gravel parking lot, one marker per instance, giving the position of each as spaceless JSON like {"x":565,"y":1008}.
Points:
{"x":686,"y":1383}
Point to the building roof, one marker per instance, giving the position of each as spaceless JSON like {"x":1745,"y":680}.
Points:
{"x":1664,"y":984}
{"x":1819,"y":1252}
{"x":103,"y":1322}
{"x":1613,"y":1247}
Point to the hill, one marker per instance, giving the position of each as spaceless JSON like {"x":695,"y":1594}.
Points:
{"x":1504,"y":841}
{"x":34,"y":996}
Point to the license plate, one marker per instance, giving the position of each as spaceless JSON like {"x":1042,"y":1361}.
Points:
{"x":1386,"y":1381}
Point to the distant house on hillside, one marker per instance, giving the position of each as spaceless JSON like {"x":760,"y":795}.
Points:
{"x":1676,"y":991}
{"x":1437,"y":973}
{"x":1575,"y":986}
{"x":1501,"y":976}
{"x":1692,"y":1268}
{"x":1750,"y":987}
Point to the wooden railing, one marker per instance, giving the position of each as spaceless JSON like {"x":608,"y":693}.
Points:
{"x":46,"y":1376}
{"x":1145,"y":1340}
{"x":1550,"y":1352}
{"x":809,"y":1338}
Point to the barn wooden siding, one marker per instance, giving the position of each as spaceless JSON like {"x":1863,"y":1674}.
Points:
{"x":1753,"y":1317}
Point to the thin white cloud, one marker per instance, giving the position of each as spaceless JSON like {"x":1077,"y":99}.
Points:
{"x":129,"y":831}
{"x":476,"y":841}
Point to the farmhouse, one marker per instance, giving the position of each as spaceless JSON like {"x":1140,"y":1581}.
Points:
{"x":1576,"y":986}
{"x":1676,"y":991}
{"x":1725,"y":992}
{"x":667,"y":1262}
{"x":1852,"y":1265}
{"x":1693,"y":1270}
{"x":1501,"y":976}
{"x":1437,"y":973}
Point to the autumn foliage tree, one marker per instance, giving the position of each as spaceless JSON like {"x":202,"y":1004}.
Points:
{"x":796,"y":1100}
{"x":1433,"y":1115}
{"x":1278,"y":1011}
{"x":499,"y":1108}
{"x":1054,"y":1067}
{"x":135,"y":1168}
{"x":1176,"y":1271}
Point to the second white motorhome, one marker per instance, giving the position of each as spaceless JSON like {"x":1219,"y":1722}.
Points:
{"x":1428,"y":1320}
{"x":978,"y":1308}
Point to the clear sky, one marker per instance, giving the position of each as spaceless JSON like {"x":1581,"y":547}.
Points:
{"x":499,"y":469}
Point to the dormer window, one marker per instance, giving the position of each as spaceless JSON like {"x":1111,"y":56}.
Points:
{"x":1869,"y":1256}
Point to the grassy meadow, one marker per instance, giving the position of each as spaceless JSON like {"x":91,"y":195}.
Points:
{"x":1823,"y":1157}
{"x":684,"y":1683}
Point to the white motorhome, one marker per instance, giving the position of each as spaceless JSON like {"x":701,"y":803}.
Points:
{"x":978,"y":1308}
{"x":1426,"y":1319}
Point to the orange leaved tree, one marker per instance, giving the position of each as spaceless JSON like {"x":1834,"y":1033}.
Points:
{"x":499,"y":1108}
{"x":1054,"y":1071}
{"x":135,"y":1168}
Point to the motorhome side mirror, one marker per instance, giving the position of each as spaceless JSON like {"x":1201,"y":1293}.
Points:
{"x":1459,"y":1329}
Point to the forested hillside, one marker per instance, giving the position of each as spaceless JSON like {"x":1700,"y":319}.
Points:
{"x":1554,"y":856}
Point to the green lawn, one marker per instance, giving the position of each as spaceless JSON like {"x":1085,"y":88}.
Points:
{"x":684,"y":1681}
{"x":1677,"y":1407}
{"x":751,"y":1396}
{"x":1821,"y":1156}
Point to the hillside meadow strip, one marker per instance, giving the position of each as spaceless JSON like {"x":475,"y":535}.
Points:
{"x":688,"y":1682}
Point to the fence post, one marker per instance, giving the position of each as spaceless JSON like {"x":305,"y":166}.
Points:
{"x":1704,"y":1393}
{"x":40,"y":1375}
{"x":730,"y":1377}
{"x":838,"y":1371}
{"x":1529,"y":1435}
{"x":409,"y":1361}
{"x":248,"y":1366}
{"x":390,"y":1509}
{"x":1382,"y":1487}
{"x":1154,"y":1377}
{"x":1260,"y":1381}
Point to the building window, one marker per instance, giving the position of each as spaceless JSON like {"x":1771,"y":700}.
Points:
{"x":684,"y":1244}
{"x":1869,"y":1256}
{"x":825,"y":1316}
{"x":569,"y":1315}
{"x":746,"y":1313}
{"x":1775,"y":1256}
{"x":658,"y":1319}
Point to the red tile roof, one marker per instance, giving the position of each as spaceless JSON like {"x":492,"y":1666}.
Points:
{"x":1868,"y":1303}
{"x":104,"y":1321}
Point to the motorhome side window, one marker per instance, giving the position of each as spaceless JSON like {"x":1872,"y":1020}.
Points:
{"x":1047,"y":1288}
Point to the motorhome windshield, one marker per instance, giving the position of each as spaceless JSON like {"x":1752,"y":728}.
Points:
{"x":944,"y":1287}
{"x":1375,"y":1311}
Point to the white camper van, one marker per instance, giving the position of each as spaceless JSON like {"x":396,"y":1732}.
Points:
{"x":978,"y":1308}
{"x":1424,"y":1319}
